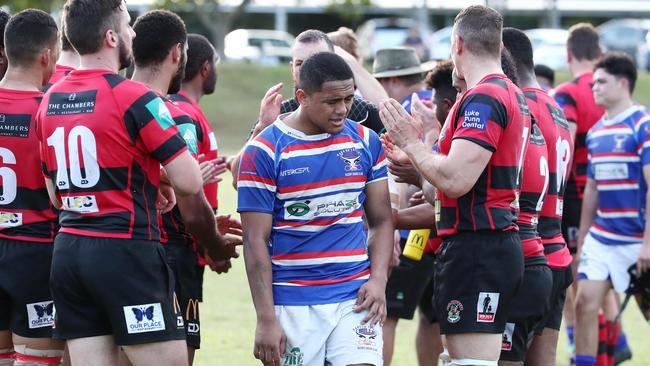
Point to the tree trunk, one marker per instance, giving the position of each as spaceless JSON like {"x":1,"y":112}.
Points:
{"x":217,"y":22}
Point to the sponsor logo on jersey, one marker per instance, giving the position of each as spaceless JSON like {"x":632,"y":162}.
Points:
{"x":15,"y":125}
{"x":366,"y":336}
{"x":298,"y":209}
{"x":10,"y":219}
{"x":333,"y":205}
{"x":611,"y":171}
{"x":40,"y":314}
{"x":71,"y":103}
{"x":486,"y":307}
{"x":193,"y":328}
{"x":476,"y":115}
{"x":293,"y":358}
{"x":454,"y":308}
{"x":144,"y":318}
{"x":188,"y":131}
{"x":81,"y":204}
{"x":160,"y":113}
{"x":295,"y":171}
{"x":506,"y":340}
{"x":213,"y":142}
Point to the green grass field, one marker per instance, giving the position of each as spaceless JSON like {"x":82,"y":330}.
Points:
{"x":228,"y":317}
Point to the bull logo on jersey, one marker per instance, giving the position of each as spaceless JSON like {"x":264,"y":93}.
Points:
{"x":351,"y":158}
{"x":144,"y":318}
{"x":619,"y":140}
{"x":294,"y":358}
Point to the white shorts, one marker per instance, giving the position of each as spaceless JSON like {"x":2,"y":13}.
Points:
{"x":600,"y":262}
{"x":329,"y":334}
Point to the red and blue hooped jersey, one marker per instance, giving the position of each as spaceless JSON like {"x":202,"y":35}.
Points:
{"x":618,"y":151}
{"x":314,"y":186}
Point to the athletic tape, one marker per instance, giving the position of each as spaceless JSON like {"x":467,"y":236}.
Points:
{"x":472,"y":362}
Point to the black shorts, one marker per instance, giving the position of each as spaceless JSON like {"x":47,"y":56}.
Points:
{"x":189,"y":274}
{"x":407,"y":284}
{"x":530,"y":306}
{"x":426,"y":303}
{"x":477,"y":277}
{"x":26,"y":306}
{"x":562,"y":279}
{"x":119,"y":287}
{"x":571,"y":223}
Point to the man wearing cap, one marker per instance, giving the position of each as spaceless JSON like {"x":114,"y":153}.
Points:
{"x":399,"y":71}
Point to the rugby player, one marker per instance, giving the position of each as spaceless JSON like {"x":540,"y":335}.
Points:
{"x":613,"y":231}
{"x":103,"y":139}
{"x":577,"y":102}
{"x":159,"y":52}
{"x":545,"y":77}
{"x":477,"y":174}
{"x":317,"y":276}
{"x":27,"y":218}
{"x":401,"y":74}
{"x":551,"y":174}
{"x":4,"y":18}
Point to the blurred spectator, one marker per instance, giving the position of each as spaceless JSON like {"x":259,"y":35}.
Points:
{"x":414,"y":40}
{"x":346,"y":39}
{"x":545,"y":76}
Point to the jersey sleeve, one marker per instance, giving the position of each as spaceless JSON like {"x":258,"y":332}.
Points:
{"x":568,"y":104}
{"x":590,"y":168}
{"x":256,"y":183}
{"x":42,"y":143}
{"x":379,"y":170}
{"x":149,"y":120}
{"x":642,"y":130}
{"x":209,"y":149}
{"x":481,"y":119}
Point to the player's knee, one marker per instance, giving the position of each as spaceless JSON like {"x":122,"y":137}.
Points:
{"x":472,"y":362}
{"x":585,"y":305}
{"x":37,"y":357}
{"x":6,"y":356}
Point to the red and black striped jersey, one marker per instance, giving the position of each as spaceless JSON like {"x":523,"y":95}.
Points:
{"x":207,"y":141}
{"x":26,"y":212}
{"x":577,"y":101}
{"x":534,"y":184}
{"x":173,"y":229}
{"x":60,"y":72}
{"x":494,"y":115}
{"x":102,"y":141}
{"x":549,"y":117}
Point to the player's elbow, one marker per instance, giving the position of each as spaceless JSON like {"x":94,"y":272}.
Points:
{"x":455,"y":188}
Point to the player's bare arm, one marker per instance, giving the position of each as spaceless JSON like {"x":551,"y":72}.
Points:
{"x":186,"y":179}
{"x":589,"y":208}
{"x":369,"y":87}
{"x":644,"y":256}
{"x":372,"y":295}
{"x":442,"y":171}
{"x":52,"y":193}
{"x":416,"y":217}
{"x":269,"y":337}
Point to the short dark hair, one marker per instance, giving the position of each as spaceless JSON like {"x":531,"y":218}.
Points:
{"x":321,"y":68}
{"x":545,"y":72}
{"x":584,"y":42}
{"x":315,"y":36}
{"x":508,"y":66}
{"x":156,"y":32}
{"x":520,"y":48}
{"x":480,"y":28}
{"x":86,"y":22}
{"x":199,"y":50}
{"x":620,"y":65}
{"x":27,"y":34}
{"x":4,"y":18}
{"x":440,"y":80}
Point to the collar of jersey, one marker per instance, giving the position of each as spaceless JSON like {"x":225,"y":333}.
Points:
{"x":298,"y":134}
{"x":621,"y":116}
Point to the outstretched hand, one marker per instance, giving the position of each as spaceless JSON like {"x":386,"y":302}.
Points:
{"x":402,"y":127}
{"x":270,"y":105}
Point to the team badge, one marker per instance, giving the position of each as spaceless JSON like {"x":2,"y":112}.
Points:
{"x":352,"y":159}
{"x":486,"y":307}
{"x":366,"y":336}
{"x":454,"y":307}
